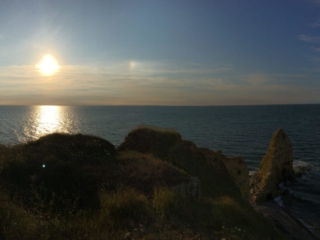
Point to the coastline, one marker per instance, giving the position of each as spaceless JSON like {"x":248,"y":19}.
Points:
{"x":191,"y":189}
{"x":285,"y":221}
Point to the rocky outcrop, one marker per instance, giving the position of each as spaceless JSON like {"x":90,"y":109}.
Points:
{"x":239,"y":172}
{"x":190,"y":188}
{"x":299,"y":168}
{"x":168,"y":146}
{"x":291,"y":227}
{"x":235,"y":166}
{"x":144,"y":173}
{"x":275,"y":167}
{"x":214,"y":158}
{"x":67,"y":164}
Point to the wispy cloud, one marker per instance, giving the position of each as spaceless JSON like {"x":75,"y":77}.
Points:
{"x":317,"y":2}
{"x":118,"y":84}
{"x":309,"y":39}
{"x":317,"y":49}
{"x":257,"y":79}
{"x":314,"y":40}
{"x":315,"y":24}
{"x":315,"y":60}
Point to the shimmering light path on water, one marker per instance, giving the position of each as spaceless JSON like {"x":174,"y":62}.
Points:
{"x":242,"y":131}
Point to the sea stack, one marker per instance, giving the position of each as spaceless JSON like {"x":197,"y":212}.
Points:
{"x":275,"y":167}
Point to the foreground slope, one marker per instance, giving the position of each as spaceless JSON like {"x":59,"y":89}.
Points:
{"x":81,"y":187}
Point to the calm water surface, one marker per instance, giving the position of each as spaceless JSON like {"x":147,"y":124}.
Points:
{"x":236,"y":130}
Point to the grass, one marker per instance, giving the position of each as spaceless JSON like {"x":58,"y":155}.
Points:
{"x":90,"y":190}
{"x":165,"y":216}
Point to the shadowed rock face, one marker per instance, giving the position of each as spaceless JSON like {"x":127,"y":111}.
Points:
{"x":235,"y":166}
{"x":282,"y":220}
{"x":275,"y":167}
{"x":190,"y":188}
{"x":207,"y":165}
{"x":239,"y":172}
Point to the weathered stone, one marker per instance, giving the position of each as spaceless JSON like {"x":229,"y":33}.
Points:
{"x":235,"y":166}
{"x":128,"y":236}
{"x":239,"y":172}
{"x":168,"y":146}
{"x":275,"y":167}
{"x":190,"y":188}
{"x":291,"y":227}
{"x":300,"y":168}
{"x":2,"y":147}
{"x":214,"y":158}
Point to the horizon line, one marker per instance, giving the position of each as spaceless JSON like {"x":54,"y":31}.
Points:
{"x":124,"y":105}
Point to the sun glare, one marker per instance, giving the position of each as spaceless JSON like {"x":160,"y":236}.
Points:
{"x":48,"y":120}
{"x":48,"y":65}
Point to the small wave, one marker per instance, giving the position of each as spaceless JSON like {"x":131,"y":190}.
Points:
{"x":252,"y":172}
{"x":300,"y":167}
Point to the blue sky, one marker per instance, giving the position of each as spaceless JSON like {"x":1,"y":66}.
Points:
{"x":168,"y":52}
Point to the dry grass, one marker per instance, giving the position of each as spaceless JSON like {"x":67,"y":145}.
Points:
{"x":89,"y":191}
{"x":143,"y":172}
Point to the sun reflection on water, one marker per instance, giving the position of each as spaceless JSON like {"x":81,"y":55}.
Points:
{"x":44,"y":120}
{"x":48,"y":120}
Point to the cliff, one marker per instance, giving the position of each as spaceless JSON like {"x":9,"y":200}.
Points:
{"x":155,"y":185}
{"x":203,"y":163}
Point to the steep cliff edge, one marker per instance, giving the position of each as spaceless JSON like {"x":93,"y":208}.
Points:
{"x":239,"y":172}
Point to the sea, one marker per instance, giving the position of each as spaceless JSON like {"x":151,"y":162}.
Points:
{"x":235,"y":130}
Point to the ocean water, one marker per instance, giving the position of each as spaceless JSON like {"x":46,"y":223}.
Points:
{"x":236,"y":130}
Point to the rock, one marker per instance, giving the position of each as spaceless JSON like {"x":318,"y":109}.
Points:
{"x":128,"y":236}
{"x":235,"y":166}
{"x":151,"y":140}
{"x":190,"y":188}
{"x":214,"y":158}
{"x":291,"y":227}
{"x":168,"y":146}
{"x":2,"y":147}
{"x":300,"y":168}
{"x":74,"y":166}
{"x":275,"y":167}
{"x":239,"y":173}
{"x":143,"y":172}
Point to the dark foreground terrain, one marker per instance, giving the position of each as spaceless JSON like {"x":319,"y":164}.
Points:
{"x":153,"y":186}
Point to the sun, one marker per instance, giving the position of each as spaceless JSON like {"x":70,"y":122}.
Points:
{"x":48,"y":65}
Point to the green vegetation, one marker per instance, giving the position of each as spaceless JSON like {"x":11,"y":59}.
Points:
{"x":80,"y":187}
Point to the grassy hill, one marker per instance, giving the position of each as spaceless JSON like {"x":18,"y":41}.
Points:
{"x":81,"y":187}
